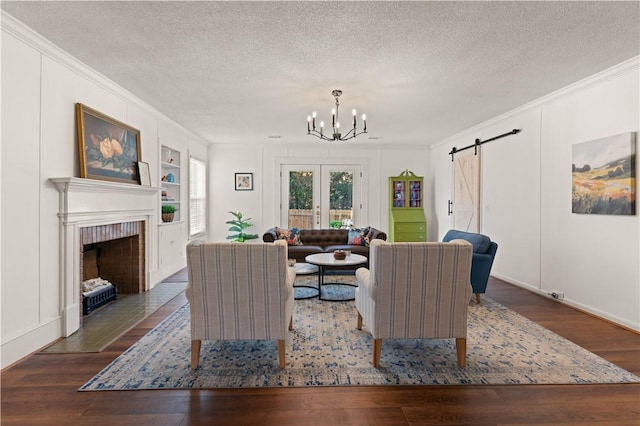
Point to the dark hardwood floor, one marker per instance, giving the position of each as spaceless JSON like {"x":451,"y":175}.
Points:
{"x":42,"y":389}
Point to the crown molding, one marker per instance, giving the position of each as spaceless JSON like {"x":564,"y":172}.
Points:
{"x":25,"y":34}
{"x":628,"y":66}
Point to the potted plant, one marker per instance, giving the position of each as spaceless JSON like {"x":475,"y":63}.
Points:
{"x":168,"y":212}
{"x":238,"y":225}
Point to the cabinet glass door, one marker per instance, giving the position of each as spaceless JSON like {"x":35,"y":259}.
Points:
{"x":415,"y":193}
{"x":399,"y":193}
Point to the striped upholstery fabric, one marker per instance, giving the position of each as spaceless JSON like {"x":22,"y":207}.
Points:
{"x":239,"y":291}
{"x":415,"y":290}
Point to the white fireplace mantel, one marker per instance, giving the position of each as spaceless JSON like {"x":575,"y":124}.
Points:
{"x":90,"y":202}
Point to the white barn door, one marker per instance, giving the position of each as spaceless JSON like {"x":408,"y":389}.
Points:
{"x":466,"y":191}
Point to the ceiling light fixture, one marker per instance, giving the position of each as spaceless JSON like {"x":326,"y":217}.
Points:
{"x":335,"y":124}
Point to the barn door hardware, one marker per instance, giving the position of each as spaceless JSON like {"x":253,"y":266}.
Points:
{"x":478,"y":142}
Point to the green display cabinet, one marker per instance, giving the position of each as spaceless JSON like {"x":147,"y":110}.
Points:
{"x":407,"y":221}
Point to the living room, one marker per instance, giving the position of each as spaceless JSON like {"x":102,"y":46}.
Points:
{"x":593,"y":260}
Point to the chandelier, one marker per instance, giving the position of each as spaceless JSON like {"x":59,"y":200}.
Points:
{"x":335,"y":134}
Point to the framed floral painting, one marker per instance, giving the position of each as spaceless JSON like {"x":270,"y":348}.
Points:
{"x":109,"y":149}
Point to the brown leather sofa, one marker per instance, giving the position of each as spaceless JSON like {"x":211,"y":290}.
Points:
{"x":312,"y":241}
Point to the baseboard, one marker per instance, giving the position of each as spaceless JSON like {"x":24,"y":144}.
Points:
{"x":160,"y":274}
{"x":14,"y":350}
{"x":612,"y":319}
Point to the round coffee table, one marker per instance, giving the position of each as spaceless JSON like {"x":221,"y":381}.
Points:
{"x":324,"y":260}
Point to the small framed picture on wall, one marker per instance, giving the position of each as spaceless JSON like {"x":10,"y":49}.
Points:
{"x":244,"y":181}
{"x":143,"y":172}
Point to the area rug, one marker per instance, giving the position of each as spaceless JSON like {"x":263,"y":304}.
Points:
{"x":326,"y":349}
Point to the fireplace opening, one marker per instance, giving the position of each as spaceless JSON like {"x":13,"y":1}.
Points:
{"x":115,"y":262}
{"x":113,"y":253}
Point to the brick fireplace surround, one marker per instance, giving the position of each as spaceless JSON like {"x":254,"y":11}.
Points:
{"x":93,"y":211}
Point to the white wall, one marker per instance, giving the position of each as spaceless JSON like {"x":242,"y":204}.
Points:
{"x":593,"y":259}
{"x":526,"y":196}
{"x":379,"y":162}
{"x":40,"y":86}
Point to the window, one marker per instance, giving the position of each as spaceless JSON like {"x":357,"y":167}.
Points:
{"x":197,"y":197}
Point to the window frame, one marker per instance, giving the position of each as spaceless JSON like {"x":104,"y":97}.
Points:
{"x":194,"y":209}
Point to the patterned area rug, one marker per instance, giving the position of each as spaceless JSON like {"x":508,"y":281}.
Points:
{"x":326,"y":349}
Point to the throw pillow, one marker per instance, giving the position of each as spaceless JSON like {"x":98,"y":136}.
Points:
{"x":366,"y":231}
{"x":292,"y":236}
{"x":282,"y":233}
{"x":357,"y":237}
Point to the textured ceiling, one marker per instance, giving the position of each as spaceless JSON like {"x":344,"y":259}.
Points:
{"x":236,"y":72}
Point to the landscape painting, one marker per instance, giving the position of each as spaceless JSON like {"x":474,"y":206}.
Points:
{"x":603,"y":175}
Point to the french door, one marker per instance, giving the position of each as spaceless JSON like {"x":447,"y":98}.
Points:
{"x":319,"y":195}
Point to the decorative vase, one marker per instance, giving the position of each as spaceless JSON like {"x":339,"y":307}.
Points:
{"x":339,"y":255}
{"x":167,"y":217}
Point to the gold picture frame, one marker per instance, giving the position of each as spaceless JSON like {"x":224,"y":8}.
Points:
{"x":109,"y":149}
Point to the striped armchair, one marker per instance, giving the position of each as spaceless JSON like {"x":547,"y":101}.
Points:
{"x":239,"y":292}
{"x":415,"y":291}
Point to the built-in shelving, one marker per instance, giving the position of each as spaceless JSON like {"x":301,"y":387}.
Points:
{"x":170,"y":178}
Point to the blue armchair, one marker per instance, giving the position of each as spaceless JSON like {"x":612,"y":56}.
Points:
{"x":484,"y":251}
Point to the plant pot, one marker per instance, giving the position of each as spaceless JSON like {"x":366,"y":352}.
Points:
{"x":167,"y":217}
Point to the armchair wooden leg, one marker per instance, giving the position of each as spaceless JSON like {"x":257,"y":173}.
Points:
{"x":377,"y":350}
{"x":281,"y":358}
{"x":478,"y":298}
{"x":461,"y":350}
{"x":291,"y":323}
{"x":195,"y":353}
{"x":359,"y":326}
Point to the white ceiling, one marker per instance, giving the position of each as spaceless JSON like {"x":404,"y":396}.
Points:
{"x":236,"y":72}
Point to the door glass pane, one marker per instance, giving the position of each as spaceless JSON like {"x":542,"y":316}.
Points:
{"x":340,"y":199}
{"x":300,"y":200}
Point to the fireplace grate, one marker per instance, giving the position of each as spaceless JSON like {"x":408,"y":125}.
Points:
{"x":97,"y":298}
